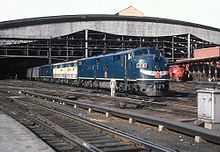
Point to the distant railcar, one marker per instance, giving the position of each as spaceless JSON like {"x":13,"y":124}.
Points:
{"x":46,"y":72}
{"x":29,"y":73}
{"x":65,"y":72}
{"x":177,"y":72}
{"x":35,"y":73}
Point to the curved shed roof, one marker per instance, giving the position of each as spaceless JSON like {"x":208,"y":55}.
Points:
{"x":54,"y":26}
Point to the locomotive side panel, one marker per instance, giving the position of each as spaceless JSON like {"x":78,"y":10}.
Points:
{"x":29,"y":73}
{"x":46,"y":71}
{"x":87,"y":69}
{"x":72,"y":70}
{"x":65,"y":70}
{"x":57,"y":71}
{"x":36,"y":73}
{"x":102,"y":68}
{"x":116,"y":66}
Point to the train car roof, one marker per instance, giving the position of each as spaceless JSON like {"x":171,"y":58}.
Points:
{"x":45,"y":65}
{"x":65,"y":62}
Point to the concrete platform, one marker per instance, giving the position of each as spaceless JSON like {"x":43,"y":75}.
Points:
{"x":14,"y":137}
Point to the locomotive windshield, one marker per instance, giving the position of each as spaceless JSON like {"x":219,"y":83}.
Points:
{"x":141,"y":52}
{"x":153,"y":51}
{"x":146,"y":51}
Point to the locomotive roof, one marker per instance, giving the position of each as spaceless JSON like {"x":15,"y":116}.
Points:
{"x":113,"y":54}
{"x":99,"y":56}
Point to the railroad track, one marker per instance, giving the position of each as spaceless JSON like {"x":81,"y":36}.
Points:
{"x":162,"y":104}
{"x":155,"y":121}
{"x":66,"y":131}
{"x":45,"y":132}
{"x":180,"y":105}
{"x":179,"y":98}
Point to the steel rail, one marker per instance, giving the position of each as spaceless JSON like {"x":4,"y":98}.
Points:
{"x":187,"y":129}
{"x":36,"y":119}
{"x":112,"y":130}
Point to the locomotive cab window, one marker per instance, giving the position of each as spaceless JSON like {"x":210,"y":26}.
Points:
{"x":141,"y":52}
{"x":68,"y":65}
{"x":98,"y":61}
{"x":72,"y":65}
{"x":153,"y":51}
{"x":130,"y":56}
{"x":80,"y":63}
{"x":116,"y":58}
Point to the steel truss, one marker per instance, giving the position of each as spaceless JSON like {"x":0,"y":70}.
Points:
{"x":89,"y":43}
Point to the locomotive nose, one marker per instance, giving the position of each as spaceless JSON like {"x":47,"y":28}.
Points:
{"x":157,"y":67}
{"x":156,"y":58}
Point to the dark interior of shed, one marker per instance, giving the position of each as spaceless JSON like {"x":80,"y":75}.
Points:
{"x":9,"y":67}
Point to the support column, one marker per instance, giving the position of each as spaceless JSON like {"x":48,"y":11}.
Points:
{"x":49,"y":51}
{"x":193,"y":71}
{"x":198,"y":71}
{"x":216,"y":72}
{"x":67,"y":50}
{"x":163,"y":49}
{"x":126,"y":73}
{"x":86,"y":43}
{"x":157,"y":47}
{"x":140,"y":41}
{"x":188,"y":46}
{"x":104,"y":39}
{"x":203,"y":72}
{"x":122,"y":42}
{"x":210,"y":72}
{"x":27,"y":53}
{"x":173,"y":51}
{"x":6,"y":51}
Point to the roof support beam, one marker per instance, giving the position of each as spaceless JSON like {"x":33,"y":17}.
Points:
{"x":173,"y":49}
{"x":86,"y":43}
{"x":188,"y":46}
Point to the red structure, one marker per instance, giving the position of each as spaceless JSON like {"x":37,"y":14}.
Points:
{"x":177,"y":72}
{"x":207,"y":53}
{"x":205,"y":66}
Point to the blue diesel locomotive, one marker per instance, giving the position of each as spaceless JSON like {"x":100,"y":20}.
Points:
{"x":141,"y":70}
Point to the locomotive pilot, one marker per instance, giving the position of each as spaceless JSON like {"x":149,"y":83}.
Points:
{"x":113,"y":86}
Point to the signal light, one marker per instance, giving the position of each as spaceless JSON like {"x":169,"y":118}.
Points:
{"x":157,"y":75}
